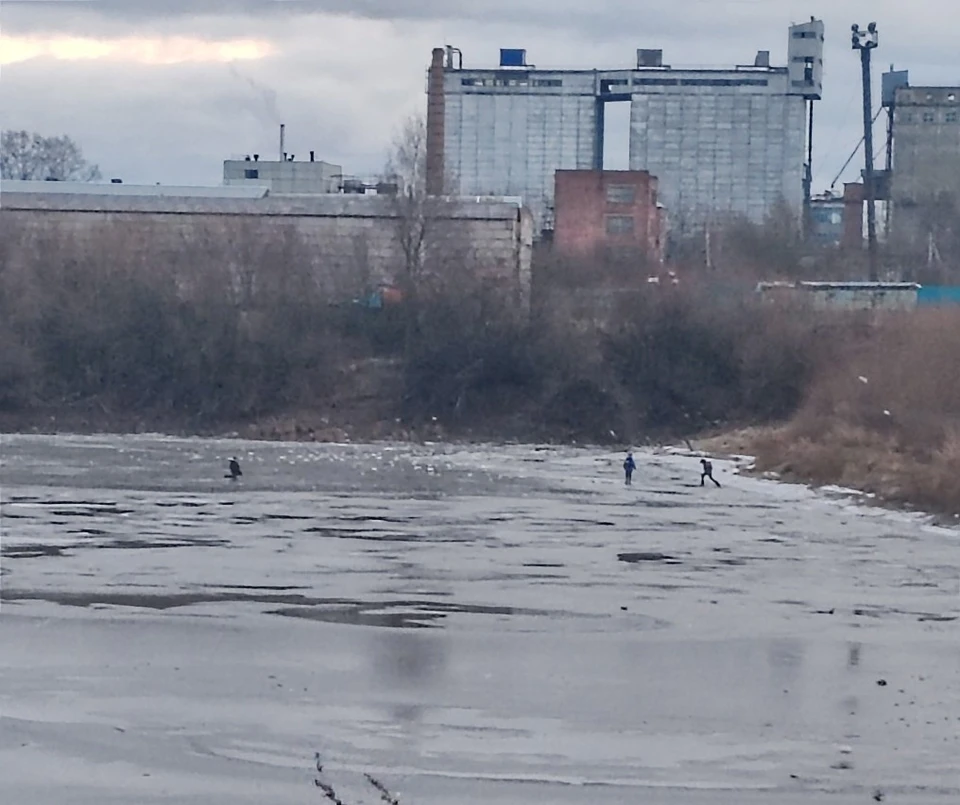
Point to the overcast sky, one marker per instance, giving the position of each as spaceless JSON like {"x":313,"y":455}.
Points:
{"x":164,"y":90}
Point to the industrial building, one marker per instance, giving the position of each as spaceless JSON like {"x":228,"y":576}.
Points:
{"x":285,"y":177}
{"x":354,"y":240}
{"x":12,"y":190}
{"x":720,"y":141}
{"x":843,"y":296}
{"x":608,"y":210}
{"x":925,"y":181}
{"x":827,"y":220}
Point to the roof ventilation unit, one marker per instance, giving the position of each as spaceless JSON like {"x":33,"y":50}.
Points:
{"x":649,"y":58}
{"x":513,"y":57}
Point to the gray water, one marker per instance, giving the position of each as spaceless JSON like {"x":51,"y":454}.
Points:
{"x":488,"y":624}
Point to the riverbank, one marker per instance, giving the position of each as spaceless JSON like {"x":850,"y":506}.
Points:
{"x":321,"y":425}
{"x":854,"y":459}
{"x":851,"y":458}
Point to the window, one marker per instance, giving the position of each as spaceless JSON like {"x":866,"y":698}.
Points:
{"x":620,"y":193}
{"x":951,"y":117}
{"x":724,"y":82}
{"x":702,"y":82}
{"x":928,"y":117}
{"x":251,"y":173}
{"x":548,"y":82}
{"x":656,"y":82}
{"x":619,"y":225}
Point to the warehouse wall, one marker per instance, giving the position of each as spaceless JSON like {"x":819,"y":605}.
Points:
{"x":719,"y":148}
{"x":506,"y":133}
{"x":353,"y":241}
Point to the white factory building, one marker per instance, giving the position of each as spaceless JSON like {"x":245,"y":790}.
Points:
{"x":720,"y":141}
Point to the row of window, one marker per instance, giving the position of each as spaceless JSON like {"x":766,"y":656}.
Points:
{"x":929,"y":117}
{"x":700,"y":82}
{"x":511,"y":82}
{"x":637,"y":82}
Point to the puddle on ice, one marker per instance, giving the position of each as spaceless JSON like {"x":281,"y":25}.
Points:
{"x":399,"y":614}
{"x":648,"y":556}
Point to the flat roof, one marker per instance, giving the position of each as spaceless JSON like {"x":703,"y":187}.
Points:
{"x":841,"y":286}
{"x":298,"y":162}
{"x":612,"y":71}
{"x":139,"y":190}
{"x":346,"y":205}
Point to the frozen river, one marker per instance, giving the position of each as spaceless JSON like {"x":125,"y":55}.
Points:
{"x":496,"y":625}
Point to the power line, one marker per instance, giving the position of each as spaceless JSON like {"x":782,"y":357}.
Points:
{"x":854,"y":153}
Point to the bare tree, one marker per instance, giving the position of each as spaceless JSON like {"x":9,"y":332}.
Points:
{"x":29,"y":155}
{"x":407,"y":166}
{"x":427,"y":235}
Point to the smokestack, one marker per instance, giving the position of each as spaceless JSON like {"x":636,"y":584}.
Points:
{"x":311,"y":156}
{"x":283,"y":154}
{"x":435,"y":123}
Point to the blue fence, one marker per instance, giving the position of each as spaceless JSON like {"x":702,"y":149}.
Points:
{"x":934,"y":295}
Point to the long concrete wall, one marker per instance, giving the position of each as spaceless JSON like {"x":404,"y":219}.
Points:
{"x":345,"y":236}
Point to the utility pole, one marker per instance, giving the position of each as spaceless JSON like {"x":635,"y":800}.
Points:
{"x":808,"y":177}
{"x":865,"y":41}
{"x":891,"y":104}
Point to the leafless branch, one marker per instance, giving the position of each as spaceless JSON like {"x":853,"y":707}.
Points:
{"x":385,"y":794}
{"x":326,"y":788}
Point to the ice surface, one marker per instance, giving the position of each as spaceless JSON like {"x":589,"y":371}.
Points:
{"x":456,"y":621}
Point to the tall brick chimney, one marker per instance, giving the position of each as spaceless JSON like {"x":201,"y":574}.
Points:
{"x":435,"y":124}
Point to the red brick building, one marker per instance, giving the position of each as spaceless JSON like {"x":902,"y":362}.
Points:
{"x":597,"y":210}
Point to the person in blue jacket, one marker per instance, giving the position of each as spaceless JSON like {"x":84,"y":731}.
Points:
{"x":629,"y":465}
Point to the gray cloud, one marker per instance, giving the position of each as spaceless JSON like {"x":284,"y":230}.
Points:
{"x":344,"y":72}
{"x":598,"y":18}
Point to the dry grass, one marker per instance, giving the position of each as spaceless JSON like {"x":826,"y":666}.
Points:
{"x":883,"y":415}
{"x":739,"y":442}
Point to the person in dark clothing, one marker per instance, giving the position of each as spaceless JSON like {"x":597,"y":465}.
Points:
{"x":234,"y":467}
{"x":707,"y":472}
{"x":629,"y":465}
